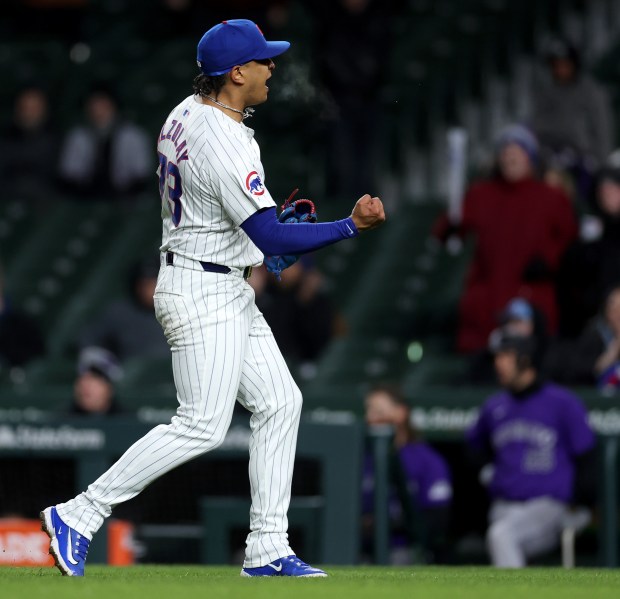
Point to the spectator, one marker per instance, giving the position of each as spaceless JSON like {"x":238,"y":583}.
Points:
{"x":519,"y":317}
{"x":128,"y":327}
{"x":537,"y":439}
{"x":572,"y":116}
{"x":107,"y":156}
{"x":592,"y":264}
{"x":420,"y":485}
{"x":522,"y":228}
{"x":94,"y":393}
{"x":594,"y":358}
{"x":29,"y":150}
{"x":352,"y":47}
{"x":297,"y":309}
{"x":21,"y":339}
{"x":607,"y":365}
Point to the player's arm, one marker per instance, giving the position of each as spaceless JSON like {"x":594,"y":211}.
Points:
{"x":249,"y":205}
{"x":275,"y":238}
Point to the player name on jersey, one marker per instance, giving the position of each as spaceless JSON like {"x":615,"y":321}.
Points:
{"x":175,"y":130}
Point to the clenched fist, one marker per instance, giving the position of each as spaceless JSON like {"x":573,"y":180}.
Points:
{"x":368,"y":213}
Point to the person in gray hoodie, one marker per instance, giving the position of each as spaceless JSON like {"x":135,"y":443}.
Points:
{"x":572,"y":117}
{"x":107,"y":157}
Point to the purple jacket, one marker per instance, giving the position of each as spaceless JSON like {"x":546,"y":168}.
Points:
{"x":427,"y":475}
{"x":533,"y":440}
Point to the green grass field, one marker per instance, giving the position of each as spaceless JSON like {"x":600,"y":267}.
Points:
{"x":195,"y":582}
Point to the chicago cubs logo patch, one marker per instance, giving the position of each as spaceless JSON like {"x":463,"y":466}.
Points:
{"x":254,"y":184}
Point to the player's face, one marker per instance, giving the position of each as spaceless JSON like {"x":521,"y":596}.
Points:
{"x":506,"y":368}
{"x":256,"y":74}
{"x":381,"y":409}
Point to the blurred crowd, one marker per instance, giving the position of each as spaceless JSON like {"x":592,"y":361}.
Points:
{"x":103,"y":158}
{"x":546,"y":220}
{"x":547,"y":238}
{"x":106,"y":155}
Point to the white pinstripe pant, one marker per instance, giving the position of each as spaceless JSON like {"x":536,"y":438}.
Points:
{"x":222,"y":351}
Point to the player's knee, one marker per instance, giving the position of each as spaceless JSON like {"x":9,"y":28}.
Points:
{"x":216,"y":439}
{"x":202,"y":430}
{"x":504,"y":546}
{"x":287,"y":404}
{"x":212,"y":437}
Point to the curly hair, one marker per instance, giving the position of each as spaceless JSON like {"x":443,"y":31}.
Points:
{"x":205,"y":85}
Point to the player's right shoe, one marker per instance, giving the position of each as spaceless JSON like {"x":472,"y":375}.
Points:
{"x":285,"y":566}
{"x":67,"y":546}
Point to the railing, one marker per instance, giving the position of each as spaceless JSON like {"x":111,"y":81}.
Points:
{"x":336,"y":441}
{"x":381,"y":437}
{"x":93,"y":444}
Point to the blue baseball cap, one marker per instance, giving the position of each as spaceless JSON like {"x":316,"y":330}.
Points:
{"x":234,"y":42}
{"x":518,"y":309}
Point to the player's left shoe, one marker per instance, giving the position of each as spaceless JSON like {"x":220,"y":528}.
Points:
{"x":285,"y":566}
{"x":67,"y":546}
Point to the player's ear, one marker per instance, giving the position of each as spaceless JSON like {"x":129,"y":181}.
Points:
{"x":236,"y":75}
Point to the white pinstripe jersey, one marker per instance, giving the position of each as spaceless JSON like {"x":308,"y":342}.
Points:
{"x":210,"y":180}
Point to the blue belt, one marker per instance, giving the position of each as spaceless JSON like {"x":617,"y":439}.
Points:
{"x":211,"y":267}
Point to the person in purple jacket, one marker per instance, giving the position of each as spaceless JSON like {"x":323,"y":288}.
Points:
{"x":536,"y":437}
{"x":420,"y":483}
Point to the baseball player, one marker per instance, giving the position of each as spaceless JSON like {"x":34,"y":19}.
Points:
{"x":219,"y":220}
{"x":537,"y":438}
{"x":420,"y":483}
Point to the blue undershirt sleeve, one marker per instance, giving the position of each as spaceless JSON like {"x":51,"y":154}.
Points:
{"x":274,"y":238}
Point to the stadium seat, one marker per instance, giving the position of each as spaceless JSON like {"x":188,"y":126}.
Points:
{"x":573,"y":523}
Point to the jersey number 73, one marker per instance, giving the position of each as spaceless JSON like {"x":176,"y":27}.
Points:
{"x":170,"y":187}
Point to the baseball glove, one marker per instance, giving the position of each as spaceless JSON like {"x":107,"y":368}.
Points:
{"x":298,"y":211}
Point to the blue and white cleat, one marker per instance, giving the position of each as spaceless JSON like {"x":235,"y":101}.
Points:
{"x":285,"y":566}
{"x":67,"y":546}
